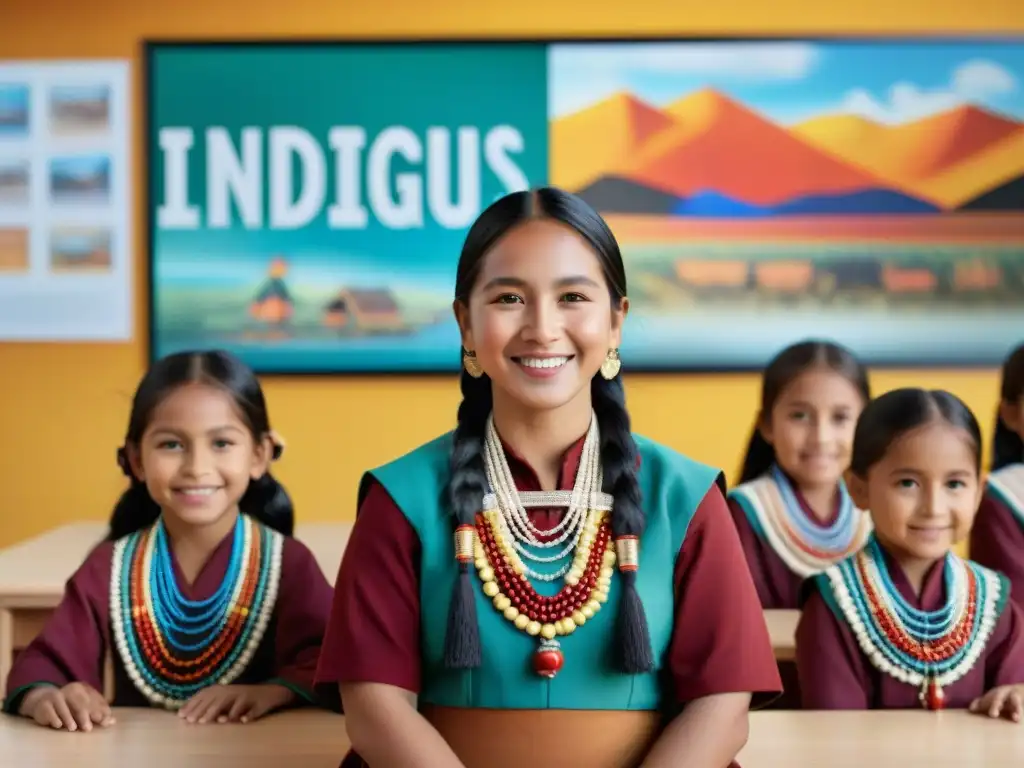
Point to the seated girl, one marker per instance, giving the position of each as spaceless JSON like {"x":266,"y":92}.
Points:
{"x":791,"y":508}
{"x":906,"y":622}
{"x":201,"y":598}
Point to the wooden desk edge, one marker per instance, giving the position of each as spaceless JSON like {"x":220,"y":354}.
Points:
{"x":42,"y":599}
{"x":781,"y":626}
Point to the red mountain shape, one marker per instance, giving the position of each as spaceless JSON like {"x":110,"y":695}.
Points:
{"x":721,"y":146}
{"x":941,"y":141}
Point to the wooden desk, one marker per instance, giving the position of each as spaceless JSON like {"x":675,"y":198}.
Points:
{"x":158,"y":739}
{"x":782,"y":630}
{"x":33,"y":574}
{"x":881,"y":739}
{"x":314,"y":739}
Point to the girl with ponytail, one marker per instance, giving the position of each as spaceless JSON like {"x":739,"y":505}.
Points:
{"x":791,"y":507}
{"x":541,"y":571}
{"x":997,"y":536}
{"x":199,"y":557}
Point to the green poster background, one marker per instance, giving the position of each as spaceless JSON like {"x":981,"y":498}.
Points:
{"x":323,"y":297}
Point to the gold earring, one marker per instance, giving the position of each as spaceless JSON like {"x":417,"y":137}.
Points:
{"x":470,"y":363}
{"x":611,"y":365}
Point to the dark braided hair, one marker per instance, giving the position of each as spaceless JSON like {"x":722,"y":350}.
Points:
{"x":468,"y":481}
{"x":1007,"y":445}
{"x":264,"y":500}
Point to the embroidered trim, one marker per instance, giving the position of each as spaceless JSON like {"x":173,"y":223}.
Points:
{"x":767,"y":511}
{"x":860,"y":593}
{"x":167,"y":671}
{"x":1007,"y":485}
{"x":534,"y":499}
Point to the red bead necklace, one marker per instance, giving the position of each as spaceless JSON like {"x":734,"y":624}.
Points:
{"x":539,"y":615}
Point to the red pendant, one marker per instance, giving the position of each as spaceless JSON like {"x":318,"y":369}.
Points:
{"x":548,"y":659}
{"x":932,"y":696}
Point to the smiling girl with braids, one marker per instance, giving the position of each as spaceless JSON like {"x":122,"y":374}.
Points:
{"x":552,"y":588}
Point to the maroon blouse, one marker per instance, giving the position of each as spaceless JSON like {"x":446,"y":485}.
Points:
{"x":74,"y":642}
{"x":997,"y":542}
{"x":835,"y":673}
{"x":778,"y":588}
{"x":720,"y":643}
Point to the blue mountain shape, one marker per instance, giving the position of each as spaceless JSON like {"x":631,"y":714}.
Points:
{"x":869,"y":201}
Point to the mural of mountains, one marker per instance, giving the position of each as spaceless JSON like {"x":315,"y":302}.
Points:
{"x":949,"y":158}
{"x":707,"y":155}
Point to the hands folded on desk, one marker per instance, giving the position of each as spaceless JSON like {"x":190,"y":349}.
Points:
{"x":235,"y":703}
{"x":1005,"y":701}
{"x":76,"y":707}
{"x":80,"y":707}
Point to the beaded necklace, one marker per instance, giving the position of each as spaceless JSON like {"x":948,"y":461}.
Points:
{"x":926,"y":649}
{"x":515,"y":523}
{"x":504,"y":538}
{"x":172,"y":647}
{"x":1007,"y":485}
{"x":773,"y":509}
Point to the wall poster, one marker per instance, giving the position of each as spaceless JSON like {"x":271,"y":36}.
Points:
{"x":65,"y":248}
{"x":308,"y":201}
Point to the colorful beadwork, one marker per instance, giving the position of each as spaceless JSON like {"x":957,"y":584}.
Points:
{"x":172,"y":647}
{"x":926,"y":649}
{"x":506,"y":538}
{"x":1007,"y":486}
{"x":774,"y":511}
{"x":502,"y":574}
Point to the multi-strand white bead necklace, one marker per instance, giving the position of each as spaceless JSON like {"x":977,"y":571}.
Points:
{"x":514,"y":521}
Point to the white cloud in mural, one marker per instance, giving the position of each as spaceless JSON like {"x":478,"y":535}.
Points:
{"x":974,"y":82}
{"x":984,"y":78}
{"x":586,"y":73}
{"x":755,"y":61}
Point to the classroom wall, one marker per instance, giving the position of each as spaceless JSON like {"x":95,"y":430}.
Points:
{"x":63,"y":407}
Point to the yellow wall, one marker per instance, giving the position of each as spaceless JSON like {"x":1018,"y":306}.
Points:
{"x":63,"y":408}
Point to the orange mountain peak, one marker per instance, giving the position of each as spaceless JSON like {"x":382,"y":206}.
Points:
{"x":705,"y":106}
{"x":938,"y":142}
{"x":597,"y":139}
{"x":835,"y":121}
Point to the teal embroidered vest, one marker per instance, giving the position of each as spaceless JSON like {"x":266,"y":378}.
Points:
{"x":672,"y":486}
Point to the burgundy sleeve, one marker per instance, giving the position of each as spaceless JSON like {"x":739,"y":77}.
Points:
{"x":754,"y":554}
{"x":831,"y":669}
{"x":997,"y":542}
{"x":720,"y":642}
{"x":1004,"y":657}
{"x":303,"y":605}
{"x":373,"y":634}
{"x":72,"y":644}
